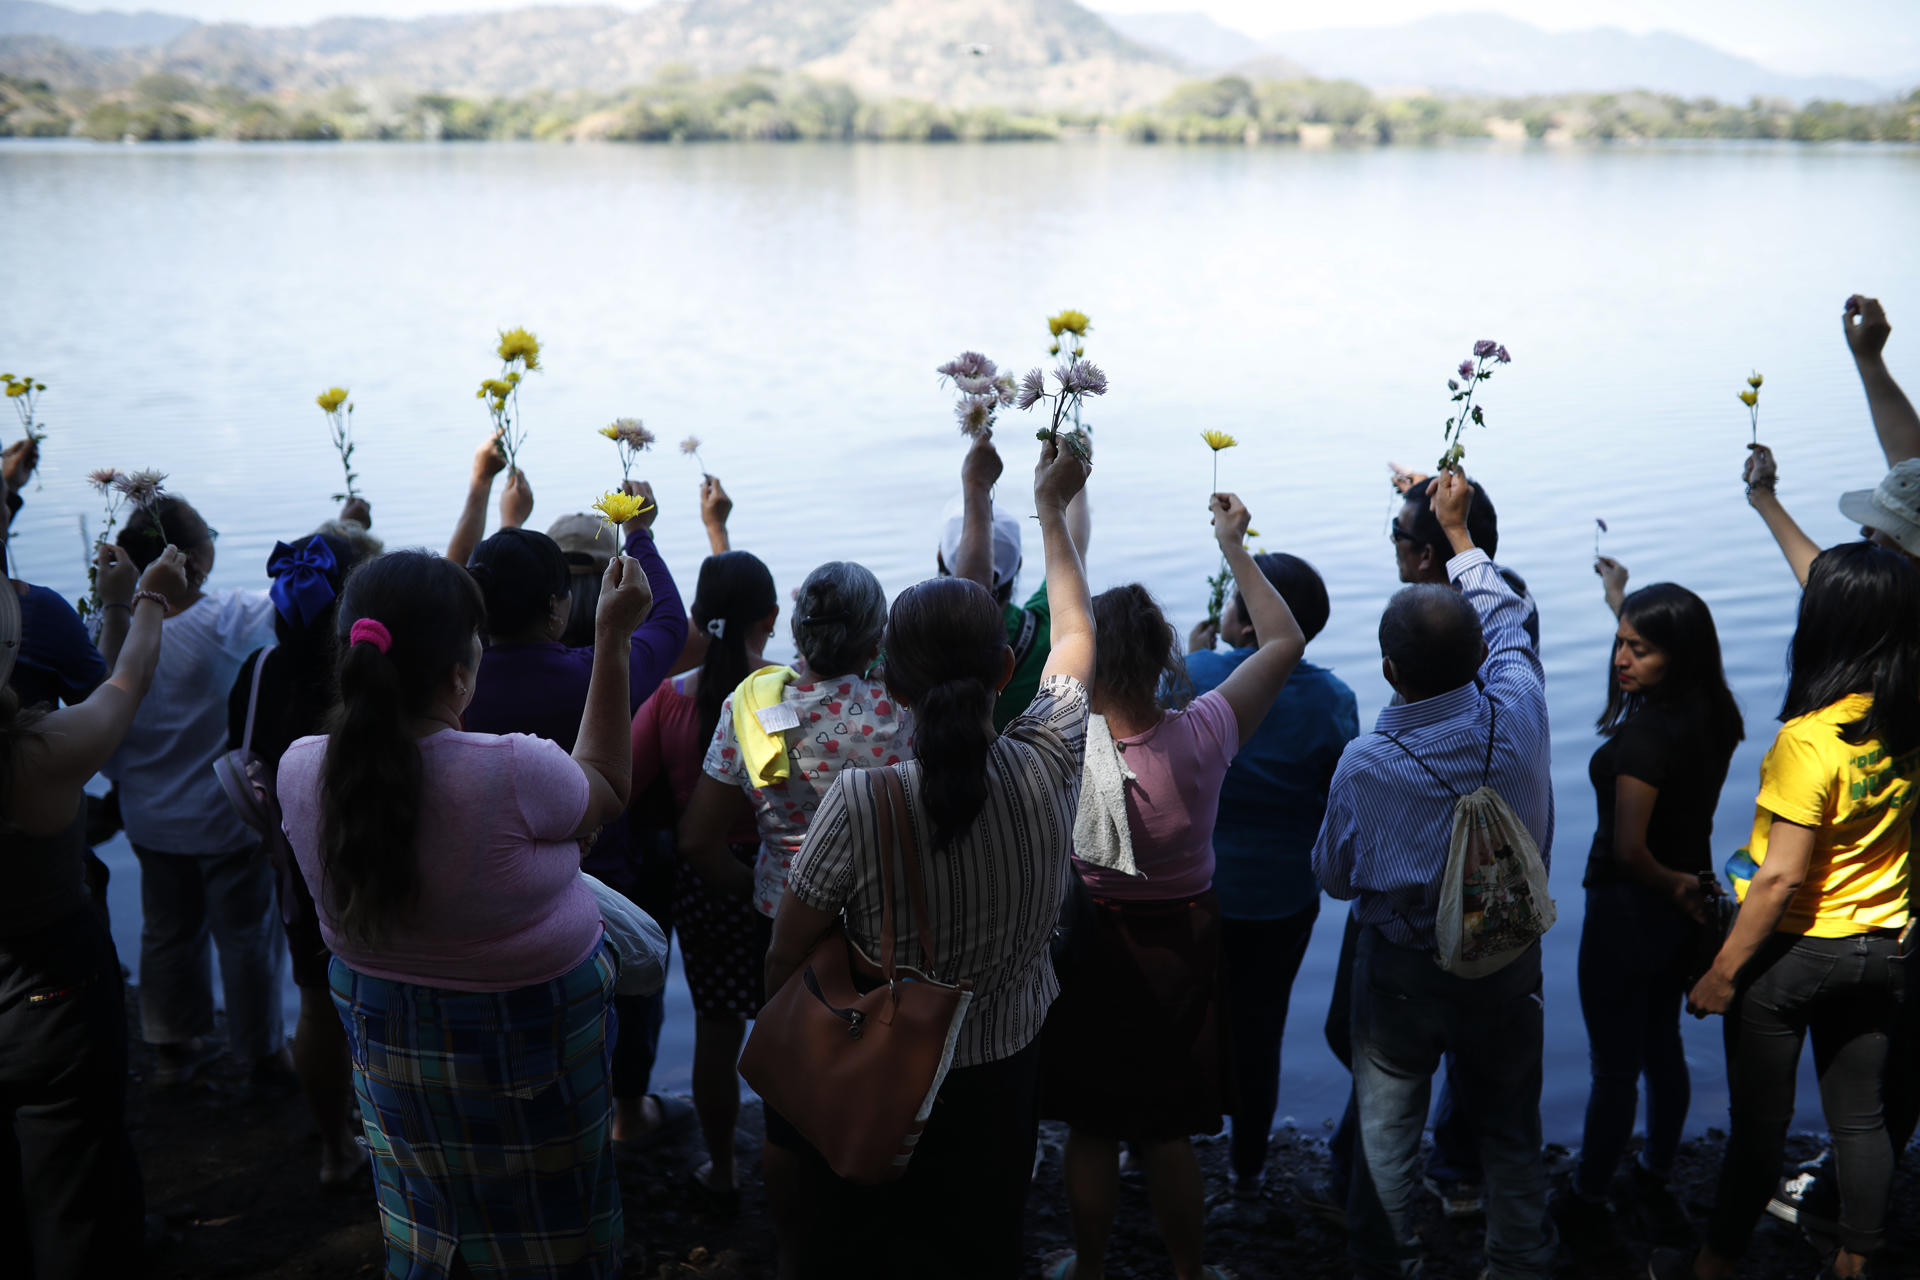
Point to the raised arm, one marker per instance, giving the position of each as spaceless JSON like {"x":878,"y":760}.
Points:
{"x":715,"y":507}
{"x":974,"y":557}
{"x":603,"y":749}
{"x":1512,"y":662}
{"x":1255,"y":683}
{"x":488,"y":462}
{"x":661,"y":636}
{"x":82,"y":738}
{"x":1894,"y":420}
{"x":1058,"y":477}
{"x":1613,"y":581}
{"x":1762,"y":475}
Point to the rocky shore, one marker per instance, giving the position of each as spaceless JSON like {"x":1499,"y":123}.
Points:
{"x":234,"y":1179}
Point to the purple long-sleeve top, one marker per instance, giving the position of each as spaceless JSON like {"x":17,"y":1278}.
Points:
{"x":542,"y":689}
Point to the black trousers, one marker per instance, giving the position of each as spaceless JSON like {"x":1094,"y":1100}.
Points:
{"x":71,"y":1205}
{"x":1263,"y":959}
{"x":1846,"y":993}
{"x":960,"y":1211}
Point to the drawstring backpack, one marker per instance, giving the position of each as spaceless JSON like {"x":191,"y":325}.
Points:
{"x":1493,"y":894}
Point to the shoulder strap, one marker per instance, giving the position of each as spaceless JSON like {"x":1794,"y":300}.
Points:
{"x":1444,"y":784}
{"x":896,"y":818}
{"x":1029,"y":632}
{"x":253,"y":698}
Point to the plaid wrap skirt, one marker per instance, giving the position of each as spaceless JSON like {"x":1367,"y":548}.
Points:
{"x":487,"y":1114}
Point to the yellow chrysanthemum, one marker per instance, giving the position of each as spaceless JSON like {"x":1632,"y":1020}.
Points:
{"x":1749,"y":398}
{"x":1253,"y":533}
{"x":332,"y":398}
{"x":518,"y":344}
{"x":500,"y":405}
{"x":1218,"y":440}
{"x":496,"y":388}
{"x":18,"y":388}
{"x":1074,"y":322}
{"x":611,"y":433}
{"x":513,"y":377}
{"x":618,"y":508}
{"x":1754,"y":380}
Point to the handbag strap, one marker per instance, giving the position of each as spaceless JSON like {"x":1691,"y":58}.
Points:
{"x":253,"y":698}
{"x":892,"y":816}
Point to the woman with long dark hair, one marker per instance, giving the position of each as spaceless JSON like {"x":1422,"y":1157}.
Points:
{"x":469,"y":966}
{"x":1669,"y":730}
{"x":72,"y":1195}
{"x":991,"y":824}
{"x":1823,"y":940}
{"x":532,"y":681}
{"x":284,"y":693}
{"x":1146,"y":988}
{"x":723,"y":940}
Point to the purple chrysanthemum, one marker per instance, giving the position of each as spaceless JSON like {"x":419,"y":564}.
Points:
{"x":1500,"y":355}
{"x":972,"y":384}
{"x":975,"y":413}
{"x":103,"y":479}
{"x":1466,"y":368}
{"x":1083,"y":377}
{"x":968,"y":364}
{"x":1033,"y":389}
{"x":141,"y":487}
{"x":1484,"y":348}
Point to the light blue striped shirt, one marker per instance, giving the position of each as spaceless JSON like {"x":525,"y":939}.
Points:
{"x":1384,"y":840}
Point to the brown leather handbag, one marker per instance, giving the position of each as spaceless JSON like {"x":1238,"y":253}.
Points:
{"x":853,"y":1052}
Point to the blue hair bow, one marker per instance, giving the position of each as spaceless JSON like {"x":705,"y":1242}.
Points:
{"x":302,"y":580}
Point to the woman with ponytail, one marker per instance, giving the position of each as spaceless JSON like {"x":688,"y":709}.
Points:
{"x":469,"y":966}
{"x":723,"y":940}
{"x":1147,"y":985}
{"x":532,"y":681}
{"x":991,"y":825}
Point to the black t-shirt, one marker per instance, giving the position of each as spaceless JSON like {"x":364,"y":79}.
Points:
{"x":1670,"y":750}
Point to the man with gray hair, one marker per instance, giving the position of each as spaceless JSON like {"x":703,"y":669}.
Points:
{"x":1471,"y":712}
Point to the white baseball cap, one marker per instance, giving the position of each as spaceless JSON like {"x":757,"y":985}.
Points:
{"x":1006,"y":543}
{"x":1892,"y":506}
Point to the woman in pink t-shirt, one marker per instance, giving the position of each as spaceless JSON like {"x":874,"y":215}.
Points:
{"x":468,"y":965}
{"x":1143,"y":984}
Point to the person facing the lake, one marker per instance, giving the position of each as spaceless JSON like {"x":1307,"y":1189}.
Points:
{"x":983,"y":544}
{"x":530,"y":681}
{"x":1670,"y":727}
{"x":72,"y":1194}
{"x":1136,"y":1048}
{"x":1823,"y":940}
{"x":283,"y":693}
{"x":989,"y":819}
{"x":1470,"y":711}
{"x":839,"y":715}
{"x":201,"y":871}
{"x":469,"y":965}
{"x":1271,"y":804}
{"x":723,"y":939}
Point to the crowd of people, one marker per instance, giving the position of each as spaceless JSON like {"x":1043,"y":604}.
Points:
{"x":417,"y":775}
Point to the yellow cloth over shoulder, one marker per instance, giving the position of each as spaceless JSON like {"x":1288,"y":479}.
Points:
{"x":763,"y":752}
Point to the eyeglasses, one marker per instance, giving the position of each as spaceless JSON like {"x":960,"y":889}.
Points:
{"x":1396,"y":534}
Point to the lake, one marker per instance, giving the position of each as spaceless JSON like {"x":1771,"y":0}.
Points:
{"x":789,"y":303}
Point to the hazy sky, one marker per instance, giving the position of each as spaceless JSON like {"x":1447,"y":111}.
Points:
{"x":1868,"y":37}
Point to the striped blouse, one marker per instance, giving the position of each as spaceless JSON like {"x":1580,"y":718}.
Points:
{"x":993,"y":897}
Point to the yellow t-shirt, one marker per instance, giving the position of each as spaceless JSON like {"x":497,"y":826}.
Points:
{"x":1859,"y":803}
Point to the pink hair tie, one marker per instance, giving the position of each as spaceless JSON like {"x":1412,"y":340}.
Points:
{"x":373,"y":632}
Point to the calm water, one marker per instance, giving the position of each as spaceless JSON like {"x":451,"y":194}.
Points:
{"x":788,"y":304}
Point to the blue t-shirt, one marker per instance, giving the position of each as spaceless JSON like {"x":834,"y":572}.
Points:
{"x":1276,"y":790}
{"x":57,"y":661}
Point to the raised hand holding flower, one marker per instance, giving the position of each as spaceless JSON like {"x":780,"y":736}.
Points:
{"x":339,"y":410}
{"x":1472,"y":372}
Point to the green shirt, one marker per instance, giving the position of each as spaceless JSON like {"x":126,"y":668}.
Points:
{"x":1030,"y":632}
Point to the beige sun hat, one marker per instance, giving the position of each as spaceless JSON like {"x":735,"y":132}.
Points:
{"x":587,"y":541}
{"x":1892,"y":506}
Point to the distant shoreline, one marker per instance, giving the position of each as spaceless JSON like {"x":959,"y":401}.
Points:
{"x":767,"y":106}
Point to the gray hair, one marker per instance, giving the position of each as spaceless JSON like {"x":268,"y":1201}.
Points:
{"x":838,"y":618}
{"x":1433,"y":638}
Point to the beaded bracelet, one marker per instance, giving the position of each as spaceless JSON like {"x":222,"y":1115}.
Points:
{"x":154,"y":596}
{"x":117,"y":604}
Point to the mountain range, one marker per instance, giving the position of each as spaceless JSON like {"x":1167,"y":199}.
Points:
{"x":1494,"y":54}
{"x":1040,"y":53}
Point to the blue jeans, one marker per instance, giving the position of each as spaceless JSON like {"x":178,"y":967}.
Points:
{"x":1635,"y":953}
{"x":1456,"y":1151}
{"x":1408,"y":1014}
